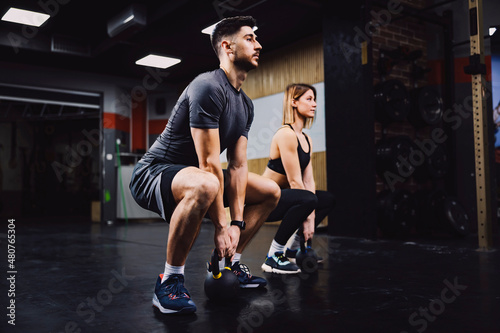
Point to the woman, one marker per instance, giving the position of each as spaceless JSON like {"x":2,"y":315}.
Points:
{"x":301,"y":206}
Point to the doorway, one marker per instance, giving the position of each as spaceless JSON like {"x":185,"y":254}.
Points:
{"x":49,"y":154}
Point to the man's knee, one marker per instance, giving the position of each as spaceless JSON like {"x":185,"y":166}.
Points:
{"x":203,"y":188}
{"x":207,"y":186}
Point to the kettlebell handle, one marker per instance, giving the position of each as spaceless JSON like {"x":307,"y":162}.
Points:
{"x":215,"y":264}
{"x":303,"y":248}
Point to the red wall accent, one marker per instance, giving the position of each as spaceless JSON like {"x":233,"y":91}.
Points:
{"x":156,"y":126}
{"x":437,"y":70}
{"x":116,"y":121}
{"x":139,"y":130}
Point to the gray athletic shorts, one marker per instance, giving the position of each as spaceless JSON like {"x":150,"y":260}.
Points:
{"x":151,"y":187}
{"x":147,"y":183}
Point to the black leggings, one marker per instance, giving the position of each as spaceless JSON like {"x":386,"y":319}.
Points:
{"x":295,"y":206}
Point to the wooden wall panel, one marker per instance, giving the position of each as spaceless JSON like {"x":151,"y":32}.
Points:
{"x":258,"y":166}
{"x":299,"y":62}
{"x":319,"y":170}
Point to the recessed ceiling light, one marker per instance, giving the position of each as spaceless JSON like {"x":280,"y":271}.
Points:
{"x":492,"y":30}
{"x":26,"y":17}
{"x":128,"y":19}
{"x":157,"y":61}
{"x":208,"y":30}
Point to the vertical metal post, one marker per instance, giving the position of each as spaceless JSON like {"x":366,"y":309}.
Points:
{"x":449,"y":97}
{"x":481,"y":142}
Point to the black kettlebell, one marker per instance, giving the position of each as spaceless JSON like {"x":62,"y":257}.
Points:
{"x":306,"y":257}
{"x":221,"y":285}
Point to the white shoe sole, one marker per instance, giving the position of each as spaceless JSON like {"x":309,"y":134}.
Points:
{"x":249,"y":285}
{"x":156,"y":303}
{"x":269,"y":269}
{"x":294,"y":261}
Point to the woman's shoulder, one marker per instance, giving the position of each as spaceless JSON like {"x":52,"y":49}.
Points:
{"x":285,"y":130}
{"x":285,"y":136}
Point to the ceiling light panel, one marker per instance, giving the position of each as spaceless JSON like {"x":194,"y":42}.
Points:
{"x":25,"y":17}
{"x":157,"y":61}
{"x":208,"y":30}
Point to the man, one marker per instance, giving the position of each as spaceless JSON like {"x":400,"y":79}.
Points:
{"x":181,"y":178}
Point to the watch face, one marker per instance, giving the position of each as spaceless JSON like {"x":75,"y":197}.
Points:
{"x":240,"y":224}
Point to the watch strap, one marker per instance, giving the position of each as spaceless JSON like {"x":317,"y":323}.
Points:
{"x":240,"y":224}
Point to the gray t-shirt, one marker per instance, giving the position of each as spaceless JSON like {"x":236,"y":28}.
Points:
{"x":209,"y":101}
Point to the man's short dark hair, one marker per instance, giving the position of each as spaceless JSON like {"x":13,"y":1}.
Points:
{"x":228,"y":27}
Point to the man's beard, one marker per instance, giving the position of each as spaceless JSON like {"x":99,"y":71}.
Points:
{"x":244,"y":63}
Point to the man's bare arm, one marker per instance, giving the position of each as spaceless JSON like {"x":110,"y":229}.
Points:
{"x":207,"y":145}
{"x":238,"y":175}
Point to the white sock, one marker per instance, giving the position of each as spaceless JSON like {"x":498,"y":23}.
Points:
{"x":295,"y":243}
{"x":222,"y":264}
{"x":275,"y":247}
{"x":169,"y":270}
{"x":236,"y":258}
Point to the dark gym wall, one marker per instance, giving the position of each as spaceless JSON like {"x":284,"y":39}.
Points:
{"x":463,"y":142}
{"x":349,"y":122}
{"x":115,"y":116}
{"x":400,"y":49}
{"x":349,"y":97}
{"x":54,"y":172}
{"x":399,"y":35}
{"x":159,"y":108}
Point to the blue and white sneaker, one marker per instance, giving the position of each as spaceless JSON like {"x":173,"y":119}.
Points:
{"x":171,"y":296}
{"x":246,"y":279}
{"x":292,"y":255}
{"x":279,"y":264}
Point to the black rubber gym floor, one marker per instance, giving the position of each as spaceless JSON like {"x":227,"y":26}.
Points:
{"x":99,"y":278}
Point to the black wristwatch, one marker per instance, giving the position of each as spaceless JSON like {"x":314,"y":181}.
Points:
{"x":240,"y":224}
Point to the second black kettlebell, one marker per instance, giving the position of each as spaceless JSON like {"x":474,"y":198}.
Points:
{"x":306,"y":257}
{"x":221,"y":285}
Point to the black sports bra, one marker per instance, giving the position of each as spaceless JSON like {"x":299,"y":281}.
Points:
{"x":304,"y":158}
